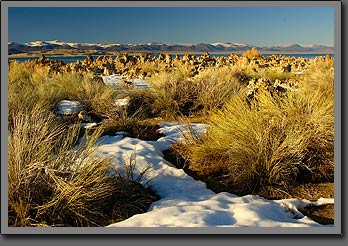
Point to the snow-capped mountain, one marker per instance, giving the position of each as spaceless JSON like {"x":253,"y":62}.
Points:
{"x":36,"y":43}
{"x":228,"y":45}
{"x":15,"y":48}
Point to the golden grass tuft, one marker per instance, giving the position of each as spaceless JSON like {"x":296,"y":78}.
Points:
{"x":173,"y":94}
{"x":272,"y":143}
{"x":30,"y":86}
{"x":176,"y":94}
{"x":54,"y":182}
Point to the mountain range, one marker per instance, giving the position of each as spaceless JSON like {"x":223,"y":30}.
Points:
{"x":45,"y":46}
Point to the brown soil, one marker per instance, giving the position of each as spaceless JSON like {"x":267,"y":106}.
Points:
{"x":138,"y":129}
{"x":313,"y":192}
{"x":324,"y":214}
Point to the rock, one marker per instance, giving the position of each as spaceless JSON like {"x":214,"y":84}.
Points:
{"x":187,"y":57}
{"x":243,"y":61}
{"x":263,"y":83}
{"x":168,"y":58}
{"x":281,"y":88}
{"x":161,"y":57}
{"x":42,"y":59}
{"x":286,"y":68}
{"x":89,"y":59}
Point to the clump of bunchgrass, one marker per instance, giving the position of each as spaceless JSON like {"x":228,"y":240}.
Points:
{"x":30,"y":84}
{"x":53,"y":181}
{"x":152,"y":68}
{"x":173,"y":93}
{"x":215,"y":86}
{"x":269,"y":144}
{"x":95,"y":97}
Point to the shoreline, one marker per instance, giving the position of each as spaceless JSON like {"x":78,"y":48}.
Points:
{"x":165,"y":52}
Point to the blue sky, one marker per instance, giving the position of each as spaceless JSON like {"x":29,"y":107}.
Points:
{"x":252,"y":25}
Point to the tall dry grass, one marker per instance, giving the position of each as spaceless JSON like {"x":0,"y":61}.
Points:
{"x":176,"y":94}
{"x":152,"y":68}
{"x":53,"y":179}
{"x":30,"y":84}
{"x":54,"y":182}
{"x":173,"y":93}
{"x":272,"y":143}
{"x":95,"y":97}
{"x":216,"y":86}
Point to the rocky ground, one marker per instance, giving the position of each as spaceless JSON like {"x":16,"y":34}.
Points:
{"x":131,"y":65}
{"x":144,"y":66}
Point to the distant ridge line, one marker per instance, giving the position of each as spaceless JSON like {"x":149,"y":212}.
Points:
{"x":44,"y":46}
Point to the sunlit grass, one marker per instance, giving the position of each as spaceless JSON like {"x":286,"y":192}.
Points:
{"x":271,"y":143}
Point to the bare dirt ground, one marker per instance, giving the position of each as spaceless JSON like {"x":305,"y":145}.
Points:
{"x":322,"y":214}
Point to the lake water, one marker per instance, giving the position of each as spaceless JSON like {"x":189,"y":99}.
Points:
{"x":68,"y":59}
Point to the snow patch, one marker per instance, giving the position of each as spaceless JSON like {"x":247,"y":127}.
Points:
{"x":229,"y":45}
{"x":117,"y":79}
{"x":122,"y":102}
{"x":186,"y":202}
{"x":88,"y":125}
{"x":36,"y":43}
{"x":66,"y":107}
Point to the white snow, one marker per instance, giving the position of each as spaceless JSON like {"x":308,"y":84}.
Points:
{"x":43,"y":43}
{"x":71,"y":44}
{"x":240,"y":44}
{"x":88,"y":125}
{"x":36,"y":43}
{"x":57,"y":42}
{"x":323,"y":201}
{"x":122,"y":102}
{"x":98,"y":44}
{"x":183,"y":44}
{"x":116,"y":79}
{"x":186,"y":202}
{"x":66,"y":107}
{"x":139,"y":83}
{"x":108,"y":45}
{"x":113,"y":80}
{"x":228,"y":45}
